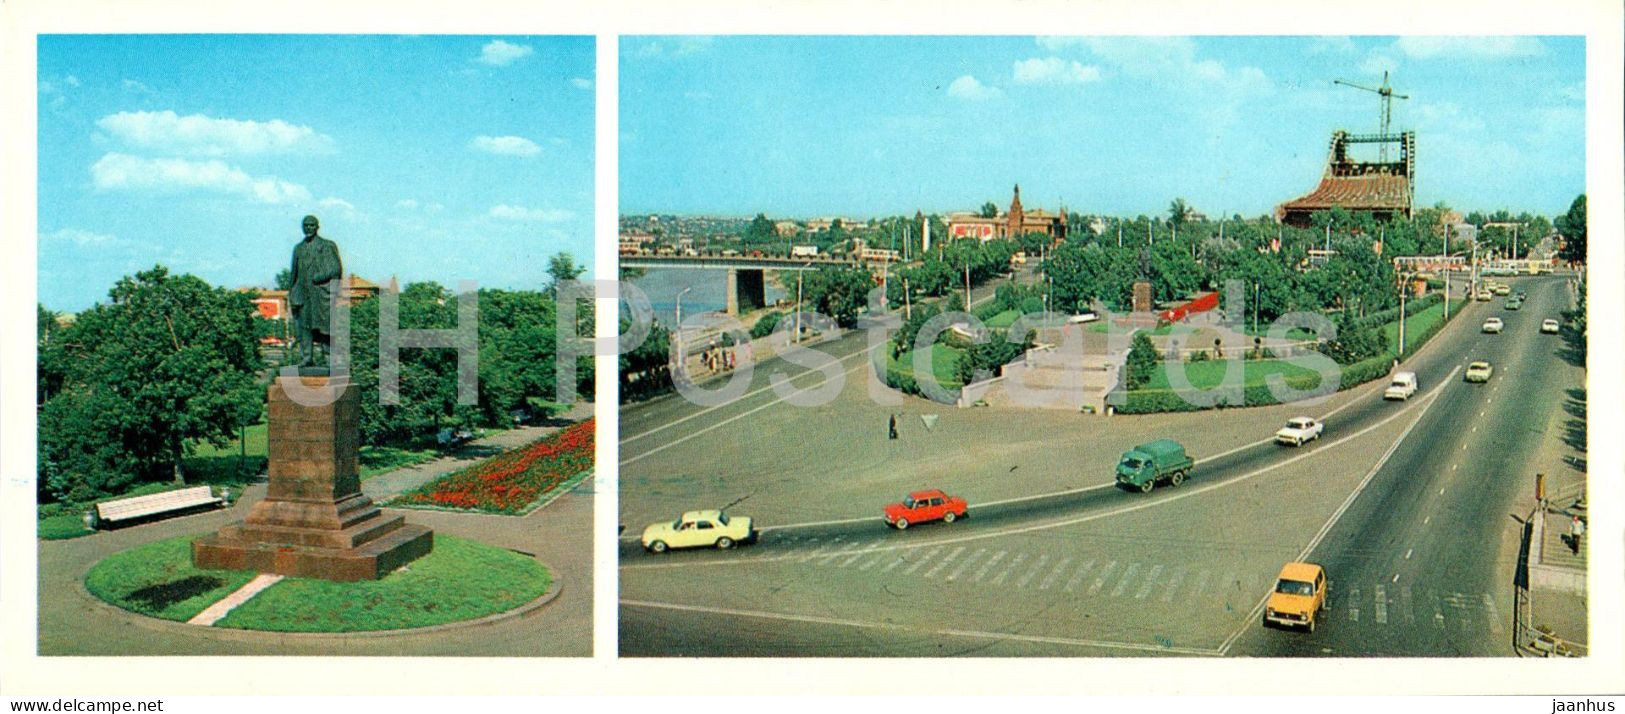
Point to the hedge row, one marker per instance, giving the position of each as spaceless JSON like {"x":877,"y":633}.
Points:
{"x":1383,"y":317}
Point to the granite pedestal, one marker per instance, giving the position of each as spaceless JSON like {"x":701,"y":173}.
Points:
{"x":314,"y":521}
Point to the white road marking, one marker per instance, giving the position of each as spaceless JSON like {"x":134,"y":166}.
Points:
{"x":1354,"y":605}
{"x":737,"y":417}
{"x":1396,"y":578}
{"x":1430,"y":400}
{"x":1441,"y":492}
{"x":1438,"y":614}
{"x":1077,"y":578}
{"x":1493,"y":612}
{"x":821,"y":550}
{"x":1128,"y":577}
{"x":1005,"y":636}
{"x":945,"y":562}
{"x":1029,"y":576}
{"x":923,"y":559}
{"x":1405,"y":604}
{"x":966,"y":563}
{"x":1050,"y":579}
{"x":1408,"y":553}
{"x":731,"y":402}
{"x":899,"y":560}
{"x":1426,"y":519}
{"x":1422,"y":404}
{"x":1014,"y":563}
{"x":856,"y":554}
{"x":1101,"y":578}
{"x":1382,"y":606}
{"x":872,"y":562}
{"x":990,"y":561}
{"x":1172,"y":587}
{"x":1150,"y":582}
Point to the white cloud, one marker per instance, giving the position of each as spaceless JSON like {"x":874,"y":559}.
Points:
{"x":131,"y":85}
{"x":1057,"y":42}
{"x":1331,"y":44}
{"x":199,"y":135}
{"x":71,"y":80}
{"x":520,"y":213}
{"x":967,"y":87}
{"x":117,"y":171}
{"x":506,"y":145}
{"x":1054,"y":70}
{"x":407,"y":203}
{"x":1377,"y":62}
{"x":1429,"y":47}
{"x":81,"y":238}
{"x":677,"y":47}
{"x":581,"y":82}
{"x":337,"y":204}
{"x":500,"y":54}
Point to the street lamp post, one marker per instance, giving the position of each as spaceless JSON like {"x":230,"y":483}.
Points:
{"x":681,"y":356}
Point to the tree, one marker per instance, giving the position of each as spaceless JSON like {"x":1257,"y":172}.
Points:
{"x":171,"y":361}
{"x":990,"y":210}
{"x":284,"y":279}
{"x":1572,"y":226}
{"x":760,"y":230}
{"x":837,"y":293}
{"x":1142,"y":361}
{"x":1179,"y":212}
{"x":562,"y":267}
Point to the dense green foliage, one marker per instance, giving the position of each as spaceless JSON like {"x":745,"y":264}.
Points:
{"x":1573,"y":227}
{"x":1141,"y":363}
{"x":133,"y":385}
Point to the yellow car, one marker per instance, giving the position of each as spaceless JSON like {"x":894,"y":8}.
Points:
{"x":699,"y":529}
{"x":1299,"y":596}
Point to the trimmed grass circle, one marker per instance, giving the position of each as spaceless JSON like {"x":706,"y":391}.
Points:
{"x":460,"y":580}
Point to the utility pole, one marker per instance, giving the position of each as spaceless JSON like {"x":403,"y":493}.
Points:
{"x":967,"y":285}
{"x":1402,"y":282}
{"x":908,"y":311}
{"x":681,"y":357}
{"x":799,"y":273}
{"x":1446,"y":273}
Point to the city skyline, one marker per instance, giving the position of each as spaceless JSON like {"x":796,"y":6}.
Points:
{"x":203,"y":153}
{"x":871,"y":126}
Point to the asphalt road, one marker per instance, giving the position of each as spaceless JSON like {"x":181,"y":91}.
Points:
{"x":1018,"y":577}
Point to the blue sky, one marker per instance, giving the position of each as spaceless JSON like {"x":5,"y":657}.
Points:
{"x":426,"y":158}
{"x":861,"y":126}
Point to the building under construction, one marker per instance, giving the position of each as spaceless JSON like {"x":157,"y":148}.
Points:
{"x":1383,"y":188}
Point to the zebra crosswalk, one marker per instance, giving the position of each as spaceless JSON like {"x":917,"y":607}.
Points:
{"x":1216,"y":583}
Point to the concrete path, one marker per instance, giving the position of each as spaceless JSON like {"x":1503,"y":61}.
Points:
{"x":385,"y":486}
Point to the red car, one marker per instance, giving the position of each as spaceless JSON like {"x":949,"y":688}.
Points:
{"x":921,"y":506}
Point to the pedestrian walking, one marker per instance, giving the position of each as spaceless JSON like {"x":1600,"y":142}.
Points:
{"x":1577,"y":528}
{"x":891,"y":427}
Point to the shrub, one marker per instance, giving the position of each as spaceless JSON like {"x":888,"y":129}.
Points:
{"x":765,"y":325}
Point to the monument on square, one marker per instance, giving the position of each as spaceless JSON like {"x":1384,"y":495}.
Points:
{"x":314,"y":521}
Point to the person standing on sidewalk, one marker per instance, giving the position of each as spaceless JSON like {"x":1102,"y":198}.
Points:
{"x":1577,"y":528}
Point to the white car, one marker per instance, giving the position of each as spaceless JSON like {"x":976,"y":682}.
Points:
{"x":1299,"y":430}
{"x":1493,"y":325}
{"x":699,"y":529}
{"x":1478,"y":372}
{"x":1402,"y":387}
{"x":1549,"y":326}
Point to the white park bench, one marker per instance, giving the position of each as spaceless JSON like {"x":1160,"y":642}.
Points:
{"x":124,"y":509}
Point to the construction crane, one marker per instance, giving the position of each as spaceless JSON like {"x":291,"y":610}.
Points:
{"x":1387,"y":94}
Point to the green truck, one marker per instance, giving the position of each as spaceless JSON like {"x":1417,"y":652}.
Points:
{"x":1162,"y":460}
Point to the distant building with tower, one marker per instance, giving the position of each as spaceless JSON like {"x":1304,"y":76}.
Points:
{"x":1016,"y":222}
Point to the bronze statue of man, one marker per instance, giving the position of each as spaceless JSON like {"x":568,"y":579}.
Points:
{"x":316,"y":272}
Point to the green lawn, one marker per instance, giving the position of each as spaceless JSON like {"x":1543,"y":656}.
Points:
{"x":1208,"y":374}
{"x":1417,"y":323}
{"x":63,"y":526}
{"x":1003,"y":320}
{"x":943,"y":361}
{"x":377,"y":460}
{"x":158,"y":579}
{"x":460,"y":580}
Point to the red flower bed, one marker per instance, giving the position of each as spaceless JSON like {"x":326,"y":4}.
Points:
{"x":511,"y":482}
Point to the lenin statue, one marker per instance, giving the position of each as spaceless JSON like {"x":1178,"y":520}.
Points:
{"x":316,"y":273}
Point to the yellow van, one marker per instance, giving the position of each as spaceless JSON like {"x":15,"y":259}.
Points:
{"x":1299,"y":596}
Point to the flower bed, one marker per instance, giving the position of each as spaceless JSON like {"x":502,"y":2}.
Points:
{"x":512,"y":482}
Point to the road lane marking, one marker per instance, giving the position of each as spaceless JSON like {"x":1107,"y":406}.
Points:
{"x":872,"y":562}
{"x":1014,"y":563}
{"x":1431,"y":399}
{"x":1426,"y":519}
{"x":982,"y":572}
{"x":1382,"y":606}
{"x":1438,"y":613}
{"x":737,"y":417}
{"x":862,"y":624}
{"x":1406,"y":606}
{"x":1422,"y":404}
{"x":1396,"y":578}
{"x":856,"y":554}
{"x":1453,"y":467}
{"x":1078,"y":577}
{"x":923,"y":559}
{"x":1493,"y":613}
{"x":1172,"y":587}
{"x":1150,"y":582}
{"x":1128,"y":576}
{"x":1059,"y":568}
{"x":1029,"y":576}
{"x":820,"y":550}
{"x":1408,"y":553}
{"x":1354,"y":605}
{"x":945,"y":563}
{"x":740,"y":398}
{"x":1101,"y":578}
{"x":966,"y":563}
